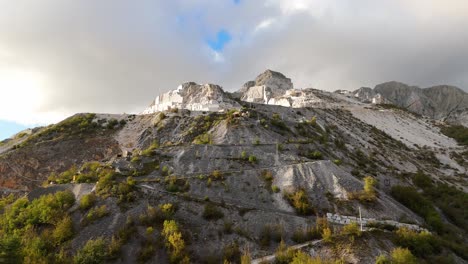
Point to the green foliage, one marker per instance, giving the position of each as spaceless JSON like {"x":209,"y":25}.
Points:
{"x":111,"y":124}
{"x":314,"y":155}
{"x":419,"y":204}
{"x":382,"y":259}
{"x":232,"y":253}
{"x":252,"y":159}
{"x":96,"y":213}
{"x":10,"y":249}
{"x":244,"y":155}
{"x":157,"y":215}
{"x":351,"y":229}
{"x":174,"y":242}
{"x":327,"y":235}
{"x":283,"y":254}
{"x":421,"y":244}
{"x":47,"y":209}
{"x":422,"y":180}
{"x":211,"y":212}
{"x":63,"y":230}
{"x":271,"y":233}
{"x":203,"y":139}
{"x":403,"y":256}
{"x":457,"y":132}
{"x":174,"y":184}
{"x":93,"y":252}
{"x":87,"y":201}
{"x":275,"y":189}
{"x":217,"y":175}
{"x":150,"y":150}
{"x":310,"y":232}
{"x":300,"y":202}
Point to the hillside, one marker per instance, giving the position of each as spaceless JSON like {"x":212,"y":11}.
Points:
{"x":181,"y":186}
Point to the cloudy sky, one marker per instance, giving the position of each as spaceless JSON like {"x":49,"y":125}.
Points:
{"x":59,"y":57}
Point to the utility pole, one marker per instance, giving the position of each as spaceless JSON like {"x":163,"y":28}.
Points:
{"x":360,"y":217}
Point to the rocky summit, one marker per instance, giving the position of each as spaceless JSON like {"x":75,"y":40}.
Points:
{"x":267,"y":174}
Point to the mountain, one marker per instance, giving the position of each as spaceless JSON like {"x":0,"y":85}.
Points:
{"x":205,"y":176}
{"x":443,"y":102}
{"x":192,"y":96}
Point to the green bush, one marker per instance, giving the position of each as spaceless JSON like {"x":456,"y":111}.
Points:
{"x":93,"y":252}
{"x":63,"y":230}
{"x":300,"y":202}
{"x":421,"y":244}
{"x":457,"y":132}
{"x":203,"y":139}
{"x":87,"y":201}
{"x":252,"y":159}
{"x":275,"y":189}
{"x":403,"y":256}
{"x":412,"y":199}
{"x":315,"y":155}
{"x":211,"y":212}
{"x":96,"y":213}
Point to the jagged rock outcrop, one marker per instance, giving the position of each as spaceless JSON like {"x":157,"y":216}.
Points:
{"x":442,"y":102}
{"x":268,"y":85}
{"x":194,"y":97}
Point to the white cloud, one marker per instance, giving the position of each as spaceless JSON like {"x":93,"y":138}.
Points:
{"x":116,"y":55}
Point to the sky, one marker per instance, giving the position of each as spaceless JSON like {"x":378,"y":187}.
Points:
{"x":60,"y":57}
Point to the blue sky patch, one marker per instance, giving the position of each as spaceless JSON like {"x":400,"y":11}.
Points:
{"x":222,"y":38}
{"x":8,"y":129}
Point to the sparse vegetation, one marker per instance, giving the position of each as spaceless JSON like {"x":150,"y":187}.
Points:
{"x":300,"y":202}
{"x":93,"y":252}
{"x":457,"y":132}
{"x":211,"y":212}
{"x":175,"y":243}
{"x":87,"y":201}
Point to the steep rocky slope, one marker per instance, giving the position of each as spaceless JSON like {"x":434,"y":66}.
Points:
{"x":235,"y":182}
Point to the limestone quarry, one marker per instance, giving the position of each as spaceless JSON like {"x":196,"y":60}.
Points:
{"x":242,"y":173}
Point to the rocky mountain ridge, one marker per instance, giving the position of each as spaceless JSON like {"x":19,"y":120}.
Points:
{"x":443,"y":102}
{"x":236,"y":180}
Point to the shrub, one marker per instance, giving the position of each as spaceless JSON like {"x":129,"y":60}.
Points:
{"x":283,"y":254}
{"x":246,"y":258}
{"x":87,"y":201}
{"x":217,"y":175}
{"x":211,"y":212}
{"x":421,"y":244}
{"x":174,"y":242}
{"x":252,"y":159}
{"x":275,"y":189}
{"x":403,"y":256}
{"x":300,"y":202}
{"x":327,"y":235}
{"x":244,"y":155}
{"x":271,"y":233}
{"x":415,"y":201}
{"x":149,"y":151}
{"x":369,"y":191}
{"x":351,"y":229}
{"x":457,"y":132}
{"x":382,"y":259}
{"x":93,"y":252}
{"x":232,"y":253}
{"x":267,"y":175}
{"x":315,"y":155}
{"x":63,"y":230}
{"x":96,"y":212}
{"x":203,"y":139}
